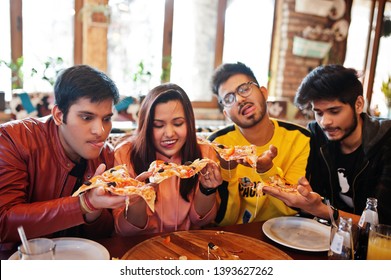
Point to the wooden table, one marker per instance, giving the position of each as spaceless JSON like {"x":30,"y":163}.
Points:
{"x":118,"y":245}
{"x":204,"y":244}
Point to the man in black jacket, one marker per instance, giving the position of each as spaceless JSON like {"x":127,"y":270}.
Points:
{"x":350,"y":158}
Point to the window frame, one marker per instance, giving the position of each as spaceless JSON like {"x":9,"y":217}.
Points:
{"x":16,"y":24}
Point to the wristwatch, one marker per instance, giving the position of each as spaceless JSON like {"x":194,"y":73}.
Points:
{"x":206,"y":191}
{"x":335,"y":212}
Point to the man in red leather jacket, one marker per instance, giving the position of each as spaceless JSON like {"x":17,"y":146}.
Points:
{"x":43,"y":161}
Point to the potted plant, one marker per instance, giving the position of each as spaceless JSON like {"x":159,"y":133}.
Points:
{"x":51,"y":67}
{"x":17,"y":72}
{"x":386,"y":89}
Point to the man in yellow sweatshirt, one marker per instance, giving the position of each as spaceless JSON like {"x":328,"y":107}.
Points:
{"x":282,"y":148}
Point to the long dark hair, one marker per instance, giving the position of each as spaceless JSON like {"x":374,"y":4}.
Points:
{"x":144,"y":151}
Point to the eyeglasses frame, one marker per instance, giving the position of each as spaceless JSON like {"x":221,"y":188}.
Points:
{"x":236,"y":92}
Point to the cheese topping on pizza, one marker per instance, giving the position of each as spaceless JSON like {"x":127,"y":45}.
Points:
{"x":228,"y":153}
{"x":162,"y":170}
{"x":278,"y":182}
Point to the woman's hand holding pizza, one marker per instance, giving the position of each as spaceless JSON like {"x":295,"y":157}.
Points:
{"x":142,"y":177}
{"x":210,"y":176}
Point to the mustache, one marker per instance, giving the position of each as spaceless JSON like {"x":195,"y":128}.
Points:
{"x":327,"y":128}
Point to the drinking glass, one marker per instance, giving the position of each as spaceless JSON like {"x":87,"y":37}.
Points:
{"x":40,"y":249}
{"x":379,"y":243}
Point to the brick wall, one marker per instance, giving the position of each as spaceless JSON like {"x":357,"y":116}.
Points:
{"x":290,"y":68}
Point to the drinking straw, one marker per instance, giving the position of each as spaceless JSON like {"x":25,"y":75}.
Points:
{"x":23,"y":237}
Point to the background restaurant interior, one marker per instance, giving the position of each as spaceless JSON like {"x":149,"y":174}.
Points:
{"x":141,"y":43}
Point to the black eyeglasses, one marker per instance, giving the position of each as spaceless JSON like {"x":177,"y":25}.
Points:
{"x":243,"y":90}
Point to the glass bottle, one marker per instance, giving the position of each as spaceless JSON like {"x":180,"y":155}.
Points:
{"x":341,"y":245}
{"x":369,"y":217}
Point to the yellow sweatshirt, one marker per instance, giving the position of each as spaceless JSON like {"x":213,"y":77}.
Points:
{"x":238,"y":203}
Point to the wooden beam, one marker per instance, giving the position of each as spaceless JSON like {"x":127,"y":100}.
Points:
{"x":16,"y":29}
{"x":275,"y":48}
{"x":220,"y":29}
{"x":368,"y":47}
{"x":16,"y":35}
{"x":167,"y":40}
{"x":95,"y":27}
{"x":78,"y":34}
{"x":373,"y":51}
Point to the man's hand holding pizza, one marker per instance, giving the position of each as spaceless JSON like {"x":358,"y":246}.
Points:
{"x":303,"y":198}
{"x":247,"y":157}
{"x":264,"y":162}
{"x":96,"y":199}
{"x":111,"y":189}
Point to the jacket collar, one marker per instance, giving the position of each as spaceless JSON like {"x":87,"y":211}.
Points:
{"x":59,"y":152}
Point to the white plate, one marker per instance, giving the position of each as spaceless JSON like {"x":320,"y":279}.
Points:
{"x":298,"y":233}
{"x":73,"y":248}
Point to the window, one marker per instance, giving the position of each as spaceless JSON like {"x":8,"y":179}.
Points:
{"x":356,"y":49}
{"x":248,"y":35}
{"x":358,"y":35}
{"x":47,"y":33}
{"x":135,"y":39}
{"x":193,"y":47}
{"x":383,"y":70}
{"x":138,"y":37}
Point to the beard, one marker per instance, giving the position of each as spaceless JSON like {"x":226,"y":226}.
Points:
{"x":250,"y":121}
{"x":350,"y":129}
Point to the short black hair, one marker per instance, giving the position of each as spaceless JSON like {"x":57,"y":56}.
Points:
{"x":329,"y":82}
{"x":226,"y":70}
{"x":81,"y":81}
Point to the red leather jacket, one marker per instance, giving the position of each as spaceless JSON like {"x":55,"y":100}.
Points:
{"x":35,"y":189}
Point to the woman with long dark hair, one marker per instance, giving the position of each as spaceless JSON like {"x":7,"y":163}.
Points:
{"x":166,"y":131}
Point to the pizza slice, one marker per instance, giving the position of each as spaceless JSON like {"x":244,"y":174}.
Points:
{"x":147,"y":192}
{"x":117,"y":175}
{"x":162,"y":170}
{"x":247,"y":153}
{"x":228,"y":153}
{"x":189,"y":169}
{"x":117,"y":181}
{"x":279,"y":183}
